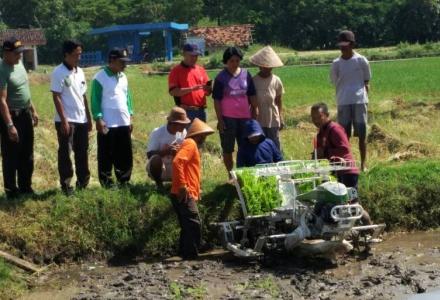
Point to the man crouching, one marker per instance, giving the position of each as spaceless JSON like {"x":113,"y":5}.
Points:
{"x":163,"y":144}
{"x":185,"y":189}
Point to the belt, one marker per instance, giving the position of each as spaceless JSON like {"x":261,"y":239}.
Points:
{"x":17,"y":112}
{"x":189,"y":107}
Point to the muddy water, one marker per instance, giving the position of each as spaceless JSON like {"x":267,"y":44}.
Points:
{"x":404,"y":266}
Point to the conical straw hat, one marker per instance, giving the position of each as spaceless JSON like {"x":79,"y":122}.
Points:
{"x":266,"y":58}
{"x":199,"y":127}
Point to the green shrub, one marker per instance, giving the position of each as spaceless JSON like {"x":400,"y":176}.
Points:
{"x":96,"y":219}
{"x":215,"y":61}
{"x":406,"y":50}
{"x":106,"y":222}
{"x":4,"y":271}
{"x":405,"y":195}
{"x":101,"y":223}
{"x":11,"y":286}
{"x":291,"y":60}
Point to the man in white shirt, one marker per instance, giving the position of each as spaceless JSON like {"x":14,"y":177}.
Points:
{"x":350,"y":73}
{"x":72,"y":117}
{"x":163,"y":144}
{"x":112,"y":110}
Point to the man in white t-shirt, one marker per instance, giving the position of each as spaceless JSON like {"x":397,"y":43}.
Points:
{"x":351,"y":74}
{"x":163,"y":144}
{"x":72,"y":117}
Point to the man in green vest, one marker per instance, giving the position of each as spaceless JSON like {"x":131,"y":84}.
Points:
{"x":19,"y":118}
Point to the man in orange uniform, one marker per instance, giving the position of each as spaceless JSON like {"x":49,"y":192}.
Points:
{"x":185,"y":189}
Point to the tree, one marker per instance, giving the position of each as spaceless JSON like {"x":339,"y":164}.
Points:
{"x":300,"y":24}
{"x":185,"y":11}
{"x":54,"y":16}
{"x":19,"y":13}
{"x":145,"y":11}
{"x":416,"y":20}
{"x":215,"y":10}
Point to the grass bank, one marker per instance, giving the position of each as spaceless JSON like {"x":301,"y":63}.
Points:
{"x":98,"y":223}
{"x":403,"y":195}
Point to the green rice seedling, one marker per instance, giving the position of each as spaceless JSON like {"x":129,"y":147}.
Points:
{"x":261,"y":193}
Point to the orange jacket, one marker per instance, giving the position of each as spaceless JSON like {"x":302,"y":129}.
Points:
{"x":187,"y":169}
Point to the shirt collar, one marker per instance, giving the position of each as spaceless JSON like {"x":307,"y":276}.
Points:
{"x":186,"y":66}
{"x":110,"y":73}
{"x":354,"y":54}
{"x":232,"y":75}
{"x":70,"y":68}
{"x":325,"y":126}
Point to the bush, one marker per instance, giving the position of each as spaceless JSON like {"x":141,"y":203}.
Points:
{"x":405,"y":50}
{"x":10,"y":286}
{"x":96,"y":220}
{"x":291,"y":60}
{"x":406,"y":195}
{"x":162,"y":66}
{"x":92,"y":223}
{"x":4,"y":272}
{"x":215,"y":61}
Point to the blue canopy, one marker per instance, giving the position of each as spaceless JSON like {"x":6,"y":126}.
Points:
{"x":123,"y":36}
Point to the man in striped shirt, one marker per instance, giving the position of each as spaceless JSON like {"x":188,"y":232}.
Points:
{"x":112,"y":111}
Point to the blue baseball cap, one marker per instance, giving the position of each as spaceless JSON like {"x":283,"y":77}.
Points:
{"x":192,"y":49}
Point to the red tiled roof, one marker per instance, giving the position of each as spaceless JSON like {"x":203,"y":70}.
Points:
{"x":28,"y":37}
{"x":231,"y":35}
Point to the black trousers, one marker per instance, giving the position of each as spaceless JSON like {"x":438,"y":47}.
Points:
{"x":349,"y":180}
{"x":115,"y":151}
{"x":78,"y":141}
{"x":18,"y":158}
{"x":190,"y":228}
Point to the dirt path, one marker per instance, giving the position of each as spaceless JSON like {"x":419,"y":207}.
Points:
{"x":399,"y":268}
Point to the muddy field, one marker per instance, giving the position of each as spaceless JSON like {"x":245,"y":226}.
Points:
{"x":402,"y":267}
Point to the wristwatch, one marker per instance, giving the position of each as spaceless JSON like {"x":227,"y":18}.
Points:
{"x":10,"y":125}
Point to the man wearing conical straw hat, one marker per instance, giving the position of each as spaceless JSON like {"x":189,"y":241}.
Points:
{"x":185,"y":189}
{"x":269,"y":93}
